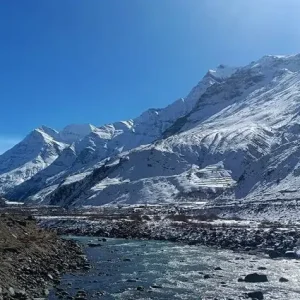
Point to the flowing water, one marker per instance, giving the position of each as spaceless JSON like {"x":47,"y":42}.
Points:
{"x":132,"y":269}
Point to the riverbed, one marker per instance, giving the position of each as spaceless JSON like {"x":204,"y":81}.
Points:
{"x":137,"y":269}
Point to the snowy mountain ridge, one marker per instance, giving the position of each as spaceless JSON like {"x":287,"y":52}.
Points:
{"x":234,"y":136}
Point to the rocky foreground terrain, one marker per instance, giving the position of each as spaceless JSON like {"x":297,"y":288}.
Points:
{"x":31,"y":259}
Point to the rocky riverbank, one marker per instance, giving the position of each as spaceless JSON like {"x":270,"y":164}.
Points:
{"x":32,"y":260}
{"x":273,"y":239}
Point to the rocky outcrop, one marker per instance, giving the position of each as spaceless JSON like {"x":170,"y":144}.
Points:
{"x":31,"y":259}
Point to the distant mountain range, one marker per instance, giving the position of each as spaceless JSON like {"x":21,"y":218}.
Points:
{"x":235,"y":136}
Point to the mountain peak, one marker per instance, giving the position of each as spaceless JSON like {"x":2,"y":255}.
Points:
{"x":221,"y":72}
{"x":50,"y":131}
{"x":75,"y":132}
{"x":278,"y":62}
{"x":38,"y":135}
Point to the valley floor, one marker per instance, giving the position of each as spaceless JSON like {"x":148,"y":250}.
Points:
{"x":33,"y":259}
{"x":187,"y":224}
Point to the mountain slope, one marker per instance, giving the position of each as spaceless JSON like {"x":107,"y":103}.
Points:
{"x":89,"y":145}
{"x":238,"y":141}
{"x":235,"y":136}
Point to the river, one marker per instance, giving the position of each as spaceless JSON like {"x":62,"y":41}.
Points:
{"x":134,"y":269}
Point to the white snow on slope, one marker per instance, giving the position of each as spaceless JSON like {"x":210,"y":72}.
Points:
{"x":89,"y":144}
{"x":222,"y":72}
{"x":37,"y":151}
{"x":75,"y":132}
{"x":234,"y":136}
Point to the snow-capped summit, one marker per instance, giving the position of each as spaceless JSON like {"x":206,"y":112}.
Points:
{"x":270,"y":63}
{"x":34,"y":153}
{"x":75,"y":132}
{"x":50,"y":131}
{"x":221,"y":72}
{"x":37,"y":151}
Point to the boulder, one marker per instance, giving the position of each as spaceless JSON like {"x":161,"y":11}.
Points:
{"x":282,"y":279}
{"x":93,"y":245}
{"x":20,"y":294}
{"x":273,"y":254}
{"x":156,"y":286}
{"x":11,"y":291}
{"x":255,"y":277}
{"x":126,"y":259}
{"x":290,"y":254}
{"x":258,"y":295}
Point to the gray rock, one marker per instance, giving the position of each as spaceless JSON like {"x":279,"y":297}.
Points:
{"x":11,"y":291}
{"x":282,"y":279}
{"x":81,"y":293}
{"x":20,"y":294}
{"x":86,"y":267}
{"x":46,"y":292}
{"x":290,"y":254}
{"x":156,"y":286}
{"x":93,"y":245}
{"x":273,"y":254}
{"x":255,"y":277}
{"x":258,"y":295}
{"x":64,"y":293}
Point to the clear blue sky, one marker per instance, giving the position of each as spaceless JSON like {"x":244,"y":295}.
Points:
{"x":98,"y":61}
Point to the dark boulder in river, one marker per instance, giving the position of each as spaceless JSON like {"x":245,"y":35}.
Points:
{"x":94,"y":245}
{"x":258,"y":295}
{"x":255,"y":277}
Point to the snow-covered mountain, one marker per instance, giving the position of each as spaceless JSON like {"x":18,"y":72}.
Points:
{"x":86,"y":145}
{"x":37,"y":151}
{"x":234,"y":136}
